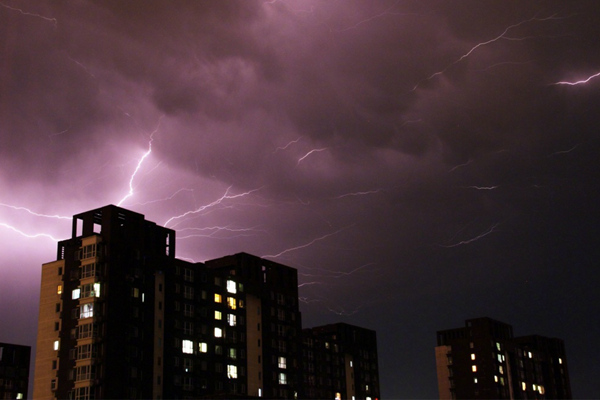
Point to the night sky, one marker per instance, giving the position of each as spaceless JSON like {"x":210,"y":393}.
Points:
{"x":419,"y":162}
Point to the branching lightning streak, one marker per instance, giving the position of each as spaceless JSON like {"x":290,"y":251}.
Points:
{"x":461,"y":165}
{"x":338,"y":274}
{"x":307,"y":244}
{"x":165,"y":199}
{"x":212,"y":204}
{"x":478,"y":45}
{"x":381,"y":14}
{"x":578,"y":82}
{"x":34,"y":213}
{"x":139,"y":165}
{"x":310,"y":152}
{"x":484,"y":234}
{"x":215,"y":230}
{"x":287,"y":145}
{"x":27,"y":235}
{"x":53,"y":20}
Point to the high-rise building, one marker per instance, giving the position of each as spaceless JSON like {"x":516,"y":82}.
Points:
{"x":340,"y":362}
{"x":483,"y":360}
{"x":14,"y":370}
{"x":121,"y":317}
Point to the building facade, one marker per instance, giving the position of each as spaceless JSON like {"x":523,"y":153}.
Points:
{"x":14,"y":371}
{"x":483,"y":360}
{"x":121,"y":317}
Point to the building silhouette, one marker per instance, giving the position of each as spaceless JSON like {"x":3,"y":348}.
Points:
{"x":14,"y":371}
{"x":484,"y":361}
{"x":340,"y":359}
{"x":121,"y":317}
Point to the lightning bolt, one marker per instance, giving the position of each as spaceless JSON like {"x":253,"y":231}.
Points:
{"x":478,"y":45}
{"x":482,"y":235}
{"x":225,"y":196}
{"x":564,"y":151}
{"x":53,"y":20}
{"x":139,"y":164}
{"x":215,"y":230}
{"x":307,"y":244}
{"x":34,"y":213}
{"x":483,"y":187}
{"x":27,"y":235}
{"x":287,"y":145}
{"x":309,"y":153}
{"x":358,"y":193}
{"x":581,"y":82}
{"x":461,"y":165}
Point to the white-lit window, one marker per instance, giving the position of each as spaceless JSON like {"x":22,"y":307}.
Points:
{"x":75,"y":294}
{"x":232,"y":372}
{"x":560,"y":360}
{"x":499,"y":358}
{"x":495,"y":378}
{"x":472,"y":356}
{"x":498,"y":346}
{"x":231,"y":319}
{"x":350,"y":363}
{"x":19,"y":396}
{"x":282,"y":378}
{"x":86,"y":310}
{"x":523,"y":386}
{"x":474,"y":380}
{"x":529,"y":354}
{"x":218,"y":332}
{"x":218,"y":315}
{"x":56,"y":345}
{"x":534,"y":387}
{"x":231,"y":287}
{"x":202,"y":347}
{"x":474,"y":368}
{"x":281,"y":362}
{"x":187,"y":346}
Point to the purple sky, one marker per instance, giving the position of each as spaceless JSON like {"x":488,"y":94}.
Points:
{"x":419,"y":162}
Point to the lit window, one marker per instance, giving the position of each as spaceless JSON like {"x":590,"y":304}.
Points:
{"x":534,"y":387}
{"x":218,"y":332}
{"x":498,"y":346}
{"x":281,"y":362}
{"x":350,"y":364}
{"x":495,"y":378}
{"x":232,"y":372}
{"x":231,"y":319}
{"x":86,"y":310}
{"x":501,"y":370}
{"x":560,"y":360}
{"x":474,"y":368}
{"x":231,"y":287}
{"x":218,"y":315}
{"x":474,"y":380}
{"x":499,"y":358}
{"x":529,"y":354}
{"x":75,"y":294}
{"x":202,"y":347}
{"x":232,"y":353}
{"x":56,"y":344}
{"x":19,"y":396}
{"x":59,"y":289}
{"x":541,"y":389}
{"x":231,"y":303}
{"x":97,"y":289}
{"x":187,"y":346}
{"x":218,"y":298}
{"x":472,"y":356}
{"x":523,"y":386}
{"x":282,"y":379}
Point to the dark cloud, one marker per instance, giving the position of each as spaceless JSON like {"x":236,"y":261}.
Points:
{"x":413,"y":159}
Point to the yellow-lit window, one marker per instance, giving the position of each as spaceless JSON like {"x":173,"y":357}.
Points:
{"x":474,"y":368}
{"x":59,"y":289}
{"x":231,"y":303}
{"x":218,"y":315}
{"x":218,"y":298}
{"x":524,"y":386}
